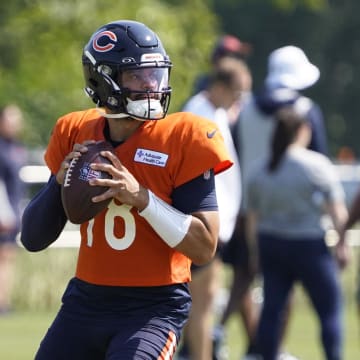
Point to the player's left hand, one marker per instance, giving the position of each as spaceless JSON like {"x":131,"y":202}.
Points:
{"x":123,"y":186}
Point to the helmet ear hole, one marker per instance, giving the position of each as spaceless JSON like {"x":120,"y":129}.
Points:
{"x":96,"y":100}
{"x":93,"y":82}
{"x":91,"y":94}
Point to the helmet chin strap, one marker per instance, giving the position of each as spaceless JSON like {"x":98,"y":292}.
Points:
{"x":141,"y":110}
{"x":146,"y":109}
{"x":103,"y":113}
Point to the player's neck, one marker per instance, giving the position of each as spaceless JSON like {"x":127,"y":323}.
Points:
{"x":121,"y":129}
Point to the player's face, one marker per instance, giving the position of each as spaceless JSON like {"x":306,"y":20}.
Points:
{"x":145,"y":80}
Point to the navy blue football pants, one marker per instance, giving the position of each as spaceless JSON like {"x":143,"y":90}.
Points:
{"x":284,"y":262}
{"x":98,"y":323}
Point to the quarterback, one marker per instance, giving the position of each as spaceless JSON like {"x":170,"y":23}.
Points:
{"x":129,"y":296}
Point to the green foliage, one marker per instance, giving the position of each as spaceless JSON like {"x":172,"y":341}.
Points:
{"x":42,"y":41}
{"x":327,"y":31}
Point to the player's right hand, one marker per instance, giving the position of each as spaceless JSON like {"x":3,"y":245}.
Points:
{"x":76,"y":152}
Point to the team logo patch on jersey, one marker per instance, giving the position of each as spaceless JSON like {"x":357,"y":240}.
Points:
{"x":151,"y":157}
{"x":86,"y":173}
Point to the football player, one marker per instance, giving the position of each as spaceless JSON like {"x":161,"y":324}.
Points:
{"x":129,"y":297}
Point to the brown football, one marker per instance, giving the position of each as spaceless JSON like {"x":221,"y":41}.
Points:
{"x":76,"y":193}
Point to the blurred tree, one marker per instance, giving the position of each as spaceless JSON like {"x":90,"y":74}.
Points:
{"x":42,"y":41}
{"x":327,"y":31}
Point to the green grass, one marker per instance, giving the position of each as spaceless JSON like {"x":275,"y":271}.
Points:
{"x":303,"y":332}
{"x":41,"y":279}
{"x":302,"y":337}
{"x":21,"y":333}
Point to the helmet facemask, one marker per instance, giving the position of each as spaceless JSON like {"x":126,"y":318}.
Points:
{"x":142,"y":92}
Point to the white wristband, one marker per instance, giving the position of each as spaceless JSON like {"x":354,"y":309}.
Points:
{"x":170,"y":224}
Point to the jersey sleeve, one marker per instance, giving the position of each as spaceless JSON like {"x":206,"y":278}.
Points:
{"x":203,"y":148}
{"x":59,"y":145}
{"x":66,"y":132}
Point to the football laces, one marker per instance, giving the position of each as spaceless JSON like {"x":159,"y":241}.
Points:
{"x":69,"y":172}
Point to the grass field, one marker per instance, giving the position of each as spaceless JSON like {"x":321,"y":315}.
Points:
{"x":302,"y":337}
{"x":41,"y":279}
{"x":21,"y":333}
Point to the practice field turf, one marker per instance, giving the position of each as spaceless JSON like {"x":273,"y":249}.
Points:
{"x":302,"y":336}
{"x":21,"y":332}
{"x":37,"y":300}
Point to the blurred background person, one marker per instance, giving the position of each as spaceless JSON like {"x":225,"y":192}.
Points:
{"x":289,"y":71}
{"x":223,"y":89}
{"x":227,"y":46}
{"x":12,"y":157}
{"x":227,"y":51}
{"x":234,"y":253}
{"x":228,"y":56}
{"x":289,"y":194}
{"x":242,"y":72}
{"x":354,"y":217}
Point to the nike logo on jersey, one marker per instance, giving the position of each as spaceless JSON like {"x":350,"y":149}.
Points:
{"x":207,"y":174}
{"x":151,"y":157}
{"x":211,"y":134}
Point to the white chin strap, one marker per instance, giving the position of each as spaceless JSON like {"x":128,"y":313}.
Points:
{"x":139,"y":109}
{"x":103,"y":113}
{"x":149,"y":109}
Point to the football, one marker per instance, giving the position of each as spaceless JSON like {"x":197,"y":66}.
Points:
{"x":76,"y":193}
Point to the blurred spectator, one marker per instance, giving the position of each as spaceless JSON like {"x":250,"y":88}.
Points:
{"x":224,"y":88}
{"x":12,"y":158}
{"x":346,"y":155}
{"x":227,"y":46}
{"x":289,"y":194}
{"x":240,"y":296}
{"x":229,"y":55}
{"x":243,"y":76}
{"x":354,"y":217}
{"x":229,"y":51}
{"x":289,"y":72}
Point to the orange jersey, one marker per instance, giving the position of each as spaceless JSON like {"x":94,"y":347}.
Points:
{"x":118,"y":247}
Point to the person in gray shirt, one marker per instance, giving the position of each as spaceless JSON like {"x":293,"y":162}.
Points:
{"x":290,"y":195}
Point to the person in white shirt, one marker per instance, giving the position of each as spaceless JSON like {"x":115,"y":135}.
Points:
{"x":213,"y":103}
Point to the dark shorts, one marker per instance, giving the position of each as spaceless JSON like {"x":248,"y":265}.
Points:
{"x":236,"y":251}
{"x":122,"y":323}
{"x":218,"y":254}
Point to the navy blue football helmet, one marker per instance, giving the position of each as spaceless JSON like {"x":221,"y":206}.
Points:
{"x":120,"y":47}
